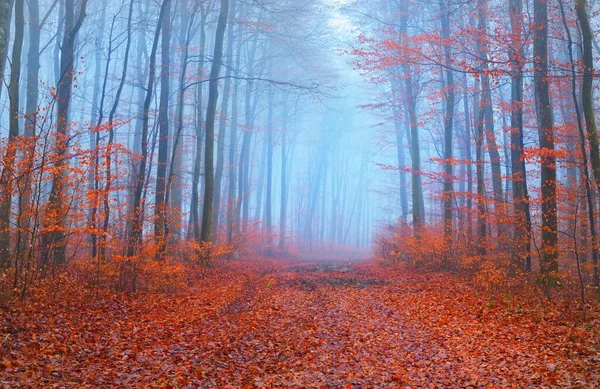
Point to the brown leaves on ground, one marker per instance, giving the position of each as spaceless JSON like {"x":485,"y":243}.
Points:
{"x":319,"y":324}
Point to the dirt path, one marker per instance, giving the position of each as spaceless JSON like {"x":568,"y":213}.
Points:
{"x":321,"y":323}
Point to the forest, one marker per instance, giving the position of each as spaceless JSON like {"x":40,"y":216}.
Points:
{"x":299,"y":193}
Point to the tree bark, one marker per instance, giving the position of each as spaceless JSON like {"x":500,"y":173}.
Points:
{"x":223,"y":118}
{"x":549,"y":247}
{"x":448,"y":126}
{"x":6,"y":178}
{"x":213,"y":94}
{"x":522,"y":232}
{"x":137,"y":218}
{"x":160,"y":207}
{"x":55,"y":238}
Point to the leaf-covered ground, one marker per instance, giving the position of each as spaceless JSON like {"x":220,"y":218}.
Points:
{"x":330,"y":324}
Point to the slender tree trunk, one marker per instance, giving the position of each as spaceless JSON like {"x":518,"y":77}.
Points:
{"x":488,"y":117}
{"x":6,"y":178}
{"x":480,"y":171}
{"x":588,"y":111}
{"x":213,"y":93}
{"x":231,"y":197}
{"x":522,"y":233}
{"x":417,"y":188}
{"x":268,"y":202}
{"x":174,"y":194}
{"x":223,"y":119}
{"x":549,"y":247}
{"x":55,"y":238}
{"x":111,"y":137}
{"x":467,"y":143}
{"x":137,"y":218}
{"x":244,"y":165}
{"x":582,"y":137}
{"x":30,"y":130}
{"x":400,"y":149}
{"x":160,"y":207}
{"x":448,"y":126}
{"x":587,"y":88}
{"x":194,"y":207}
{"x":284,"y":184}
{"x":6,"y":7}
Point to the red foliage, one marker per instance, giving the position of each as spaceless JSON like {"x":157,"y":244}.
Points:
{"x":313,"y":324}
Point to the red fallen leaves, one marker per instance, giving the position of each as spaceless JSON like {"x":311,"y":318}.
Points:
{"x":271,"y":324}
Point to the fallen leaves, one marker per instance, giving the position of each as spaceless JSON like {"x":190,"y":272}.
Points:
{"x":257,"y":324}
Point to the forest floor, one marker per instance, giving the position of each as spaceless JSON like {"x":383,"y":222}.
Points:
{"x":332,"y":324}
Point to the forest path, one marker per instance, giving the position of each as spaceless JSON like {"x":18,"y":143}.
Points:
{"x":312,"y":323}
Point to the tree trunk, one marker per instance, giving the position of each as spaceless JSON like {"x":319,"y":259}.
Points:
{"x":268,"y":202}
{"x":231,"y":197}
{"x":283,"y":205}
{"x":194,"y":207}
{"x":137,"y":219}
{"x":160,"y":207}
{"x":6,"y":178}
{"x":418,"y":205}
{"x":549,"y":247}
{"x":223,"y":119}
{"x":213,"y":94}
{"x":448,"y":127}
{"x":111,"y":137}
{"x":174,"y":195}
{"x":522,"y":233}
{"x":55,"y":239}
{"x":582,"y":138}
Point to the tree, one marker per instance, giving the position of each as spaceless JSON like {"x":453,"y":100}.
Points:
{"x":448,"y":124}
{"x":137,"y":210}
{"x":211,"y":110}
{"x":160,"y":206}
{"x":6,"y":177}
{"x":522,"y":233}
{"x":54,"y":239}
{"x":549,"y":248}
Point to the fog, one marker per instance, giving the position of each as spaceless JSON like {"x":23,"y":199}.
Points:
{"x":278,"y":125}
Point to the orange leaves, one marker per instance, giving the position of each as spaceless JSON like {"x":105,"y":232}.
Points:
{"x":258,"y":324}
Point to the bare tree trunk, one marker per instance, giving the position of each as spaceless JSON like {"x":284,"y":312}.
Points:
{"x":468,"y":154}
{"x":6,"y":7}
{"x":522,"y":234}
{"x":160,"y":207}
{"x":488,"y":111}
{"x":587,"y":88}
{"x":588,"y":106}
{"x":582,"y":138}
{"x":111,"y":137}
{"x":57,"y":212}
{"x":481,"y":203}
{"x":174,"y":195}
{"x":223,"y":119}
{"x":244,"y":165}
{"x":448,"y":127}
{"x":417,"y":188}
{"x":31,"y":110}
{"x":6,"y":178}
{"x":137,"y":218}
{"x":400,"y":148}
{"x":549,"y":248}
{"x":213,"y":94}
{"x":231,"y":197}
{"x":284,"y":184}
{"x":268,"y":202}
{"x":194,"y":207}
